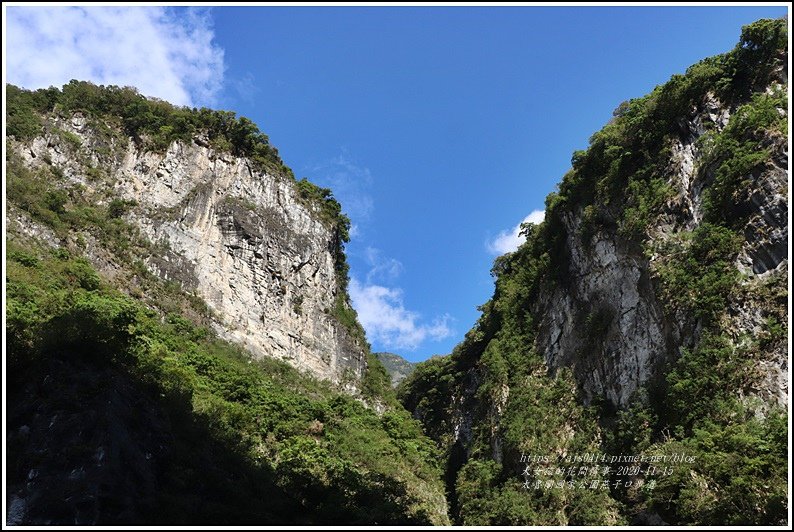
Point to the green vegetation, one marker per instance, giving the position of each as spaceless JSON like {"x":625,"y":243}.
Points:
{"x":621,"y":185}
{"x":304,"y":453}
{"x":695,"y":394}
{"x":621,"y":176}
{"x":376,"y":383}
{"x":47,"y":197}
{"x":116,"y":113}
{"x":74,"y":214}
{"x":153,"y":123}
{"x":252,"y":442}
{"x":738,"y":152}
{"x":646,"y":200}
{"x":330,"y":209}
{"x":739,"y":475}
{"x":71,"y":140}
{"x":697,"y":274}
{"x":427,"y":394}
{"x":598,"y":321}
{"x":319,"y":457}
{"x":540,"y":413}
{"x":118,"y":207}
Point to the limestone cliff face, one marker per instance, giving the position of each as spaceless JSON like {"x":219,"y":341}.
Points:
{"x":615,"y":279}
{"x":244,"y":241}
{"x":654,"y":292}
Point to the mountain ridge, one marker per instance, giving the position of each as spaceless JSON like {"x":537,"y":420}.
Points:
{"x":181,"y":343}
{"x":182,"y":348}
{"x":646,"y":315}
{"x":397,"y":367}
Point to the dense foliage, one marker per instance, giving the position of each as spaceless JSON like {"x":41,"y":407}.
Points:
{"x":153,"y":123}
{"x":223,"y":438}
{"x":537,"y":413}
{"x":119,"y":113}
{"x":285,"y":447}
{"x":317,"y":456}
{"x":621,"y":186}
{"x":696,"y":273}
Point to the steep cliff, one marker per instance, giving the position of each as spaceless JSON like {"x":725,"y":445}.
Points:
{"x":251,"y":243}
{"x":166,"y":275}
{"x":647,"y":315}
{"x":181,"y":348}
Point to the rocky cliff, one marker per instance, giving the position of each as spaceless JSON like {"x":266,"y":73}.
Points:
{"x":181,"y":347}
{"x":646,"y":314}
{"x":630,"y":368}
{"x":244,"y":240}
{"x":612,"y":278}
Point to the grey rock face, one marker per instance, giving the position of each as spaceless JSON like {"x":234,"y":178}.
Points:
{"x":242,"y":240}
{"x":610,"y":284}
{"x":611,"y":291}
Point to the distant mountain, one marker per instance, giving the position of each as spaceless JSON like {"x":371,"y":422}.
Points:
{"x":397,"y":367}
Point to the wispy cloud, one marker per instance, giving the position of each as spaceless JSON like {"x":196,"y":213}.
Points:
{"x":381,"y":309}
{"x":244,"y":87}
{"x":375,"y":294}
{"x":381,"y":269}
{"x":388,"y":322}
{"x":164,"y":52}
{"x":509,"y":240}
{"x":351,"y":184}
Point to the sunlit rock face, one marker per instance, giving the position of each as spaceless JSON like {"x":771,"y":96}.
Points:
{"x":611,"y":287}
{"x":242,"y":240}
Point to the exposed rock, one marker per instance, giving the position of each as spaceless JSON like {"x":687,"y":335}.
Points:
{"x":610,"y":280}
{"x":242,"y":240}
{"x":609,"y":285}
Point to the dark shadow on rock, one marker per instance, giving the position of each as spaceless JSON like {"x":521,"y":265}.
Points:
{"x":88,"y":444}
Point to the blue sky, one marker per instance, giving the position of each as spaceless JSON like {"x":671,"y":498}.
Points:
{"x":439,"y":129}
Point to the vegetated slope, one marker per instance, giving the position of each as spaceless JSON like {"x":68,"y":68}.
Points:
{"x":218,"y":215}
{"x":124,"y":404}
{"x":396,"y":366}
{"x":646,"y":316}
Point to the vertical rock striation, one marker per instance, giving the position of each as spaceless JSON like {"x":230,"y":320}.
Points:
{"x":245,"y":241}
{"x":655,"y":293}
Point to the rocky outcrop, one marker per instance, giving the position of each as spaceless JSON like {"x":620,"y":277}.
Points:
{"x":607,"y":321}
{"x":648,"y":312}
{"x":243,"y":240}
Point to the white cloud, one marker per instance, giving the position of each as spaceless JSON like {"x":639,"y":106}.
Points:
{"x":381,"y":268}
{"x":381,"y":312}
{"x":167,"y":53}
{"x":378,"y":303}
{"x":509,"y":240}
{"x":350,"y":184}
{"x":245,"y":87}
